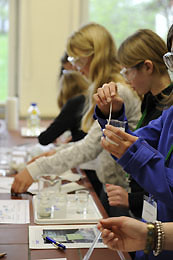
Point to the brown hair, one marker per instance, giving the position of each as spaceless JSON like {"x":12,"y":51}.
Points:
{"x":71,"y":84}
{"x":143,"y":45}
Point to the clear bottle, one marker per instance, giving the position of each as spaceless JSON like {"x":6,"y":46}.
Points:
{"x":33,"y":119}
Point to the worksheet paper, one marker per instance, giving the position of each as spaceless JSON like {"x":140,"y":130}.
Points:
{"x":14,"y":211}
{"x":72,"y":236}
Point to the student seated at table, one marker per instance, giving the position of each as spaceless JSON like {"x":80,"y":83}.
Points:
{"x":71,"y":99}
{"x":146,"y":154}
{"x":141,"y":55}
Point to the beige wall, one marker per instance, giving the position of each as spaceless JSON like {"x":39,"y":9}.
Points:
{"x":44,"y":28}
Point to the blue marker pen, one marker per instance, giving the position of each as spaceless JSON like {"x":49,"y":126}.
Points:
{"x":55,"y":243}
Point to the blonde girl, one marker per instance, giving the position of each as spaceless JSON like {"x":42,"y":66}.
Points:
{"x":93,"y":51}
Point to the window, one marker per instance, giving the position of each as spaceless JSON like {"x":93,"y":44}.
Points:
{"x":124,"y":17}
{"x":34,"y":48}
{"x":4,"y":29}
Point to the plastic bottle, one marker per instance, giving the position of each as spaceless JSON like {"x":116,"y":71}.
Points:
{"x":33,"y":120}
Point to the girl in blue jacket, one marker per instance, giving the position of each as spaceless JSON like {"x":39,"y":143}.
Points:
{"x":146,"y":155}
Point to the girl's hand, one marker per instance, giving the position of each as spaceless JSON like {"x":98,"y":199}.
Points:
{"x":123,"y":233}
{"x":107,"y":94}
{"x":121,"y":139}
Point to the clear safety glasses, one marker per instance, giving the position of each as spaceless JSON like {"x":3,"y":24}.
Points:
{"x":130,"y":73}
{"x":79,"y":63}
{"x":168,"y":60}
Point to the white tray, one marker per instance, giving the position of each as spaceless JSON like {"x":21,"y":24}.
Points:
{"x":66,"y":213}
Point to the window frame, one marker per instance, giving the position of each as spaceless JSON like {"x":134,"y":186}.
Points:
{"x":13,"y":41}
{"x":12,"y":53}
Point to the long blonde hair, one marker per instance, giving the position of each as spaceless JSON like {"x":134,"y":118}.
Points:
{"x":71,"y":84}
{"x":143,"y":45}
{"x":94,"y":40}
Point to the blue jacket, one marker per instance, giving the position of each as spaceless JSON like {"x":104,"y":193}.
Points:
{"x":145,"y":161}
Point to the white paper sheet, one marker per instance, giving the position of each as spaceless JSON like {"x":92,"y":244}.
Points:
{"x":14,"y":211}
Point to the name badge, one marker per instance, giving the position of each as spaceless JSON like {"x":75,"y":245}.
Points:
{"x":149,"y":212}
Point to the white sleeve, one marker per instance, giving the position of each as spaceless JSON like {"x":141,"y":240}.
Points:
{"x":69,"y":157}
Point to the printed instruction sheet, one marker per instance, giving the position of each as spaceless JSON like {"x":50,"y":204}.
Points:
{"x":14,"y":211}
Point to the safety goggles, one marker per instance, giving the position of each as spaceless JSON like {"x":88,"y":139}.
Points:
{"x":130,"y":73}
{"x":79,"y":63}
{"x":168,"y":60}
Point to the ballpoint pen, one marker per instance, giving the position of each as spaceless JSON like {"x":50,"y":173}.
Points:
{"x":54,"y":242}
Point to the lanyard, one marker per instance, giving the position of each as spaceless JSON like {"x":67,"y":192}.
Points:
{"x":141,"y":119}
{"x":168,"y":155}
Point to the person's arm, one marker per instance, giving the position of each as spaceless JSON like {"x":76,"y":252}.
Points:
{"x":107,"y":94}
{"x":22,"y":181}
{"x":117,"y":195}
{"x":123,"y":233}
{"x":68,"y":119}
{"x":126,"y":105}
{"x":138,"y":157}
{"x":128,"y":234}
{"x":66,"y":158}
{"x":102,"y":97}
{"x":145,"y":164}
{"x":49,"y":153}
